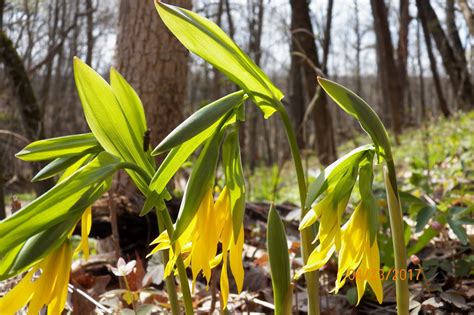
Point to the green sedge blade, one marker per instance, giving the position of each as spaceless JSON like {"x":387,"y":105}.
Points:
{"x":277,"y":247}
{"x":334,"y":172}
{"x":107,"y":117}
{"x":234,"y":177}
{"x":208,"y":41}
{"x":200,"y":121}
{"x":55,"y":204}
{"x":355,"y":106}
{"x":200,"y":181}
{"x":60,"y":147}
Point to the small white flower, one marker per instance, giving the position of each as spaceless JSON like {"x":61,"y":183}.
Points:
{"x":123,"y":269}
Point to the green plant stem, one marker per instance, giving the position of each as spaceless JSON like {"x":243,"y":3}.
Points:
{"x":164,"y":216}
{"x":131,"y":294}
{"x":307,"y":235}
{"x":396,"y":226}
{"x":169,"y":281}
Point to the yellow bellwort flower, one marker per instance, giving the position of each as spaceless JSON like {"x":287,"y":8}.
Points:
{"x":49,"y":289}
{"x":329,"y":233}
{"x":211,"y":224}
{"x":359,"y":256}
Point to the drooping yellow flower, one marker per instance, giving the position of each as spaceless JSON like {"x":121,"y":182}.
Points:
{"x":86,"y":224}
{"x":358,"y":255}
{"x":49,"y":289}
{"x":211,"y":224}
{"x":329,"y":233}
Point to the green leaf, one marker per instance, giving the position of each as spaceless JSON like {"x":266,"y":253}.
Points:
{"x":37,"y":247}
{"x":207,"y":40}
{"x":459,"y":230}
{"x":60,"y":147}
{"x":234,"y":177}
{"x":334,"y":172}
{"x":200,"y":181}
{"x":55,"y":167}
{"x":422,"y":241}
{"x":54,"y":206}
{"x":178,"y":155}
{"x":130,"y":104}
{"x":355,"y":106}
{"x":277,"y":247}
{"x":200,"y":121}
{"x":424,"y":215}
{"x":111,"y":121}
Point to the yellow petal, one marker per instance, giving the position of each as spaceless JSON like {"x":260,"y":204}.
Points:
{"x":236,"y":265}
{"x":60,"y":291}
{"x":318,"y":258}
{"x":19,"y":296}
{"x":373,"y":263}
{"x":224,"y":284}
{"x":86,"y":224}
{"x":216,"y":261}
{"x":308,"y":220}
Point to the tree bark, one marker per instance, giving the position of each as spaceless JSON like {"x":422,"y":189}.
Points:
{"x":388,"y":72}
{"x":402,"y":51}
{"x":154,"y":62}
{"x":455,"y":65}
{"x":29,"y":109}
{"x":303,"y":43}
{"x":443,"y":106}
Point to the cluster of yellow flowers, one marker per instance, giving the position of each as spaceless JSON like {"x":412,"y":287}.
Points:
{"x":211,"y":225}
{"x":352,"y":243}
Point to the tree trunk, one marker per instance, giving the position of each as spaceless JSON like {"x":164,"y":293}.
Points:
{"x":90,"y":28}
{"x":303,"y":43}
{"x":389,"y":75}
{"x":443,"y":106}
{"x":455,"y":65}
{"x":154,"y":63}
{"x":402,"y":51}
{"x":29,"y":109}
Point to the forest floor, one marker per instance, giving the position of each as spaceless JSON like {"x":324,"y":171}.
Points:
{"x":436,"y":174}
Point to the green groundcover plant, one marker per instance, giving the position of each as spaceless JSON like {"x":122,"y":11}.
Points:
{"x":38,"y":236}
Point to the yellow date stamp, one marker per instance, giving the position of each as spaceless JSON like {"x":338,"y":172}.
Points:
{"x":380,"y":274}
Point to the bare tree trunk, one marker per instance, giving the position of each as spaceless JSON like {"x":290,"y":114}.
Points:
{"x":216,"y":89}
{"x":443,"y":106}
{"x":303,"y":43}
{"x":358,"y":48}
{"x":402,"y":51}
{"x":387,"y":66}
{"x":468,"y":15}
{"x":90,"y":28}
{"x":154,"y":63}
{"x":455,"y":65}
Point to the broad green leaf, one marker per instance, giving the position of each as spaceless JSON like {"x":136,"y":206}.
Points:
{"x":37,"y":247}
{"x":234,"y":178}
{"x":55,"y":167}
{"x":207,"y":40}
{"x":366,"y":177}
{"x":422,"y":241}
{"x":155,"y":200}
{"x":459,"y":230}
{"x":277,"y":247}
{"x":54,"y":206}
{"x":178,"y":155}
{"x":200,"y":181}
{"x":334,"y":172}
{"x":108,"y":120}
{"x":355,"y":106}
{"x":424,"y":215}
{"x":60,"y":147}
{"x":200,"y":121}
{"x":130,"y":104}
